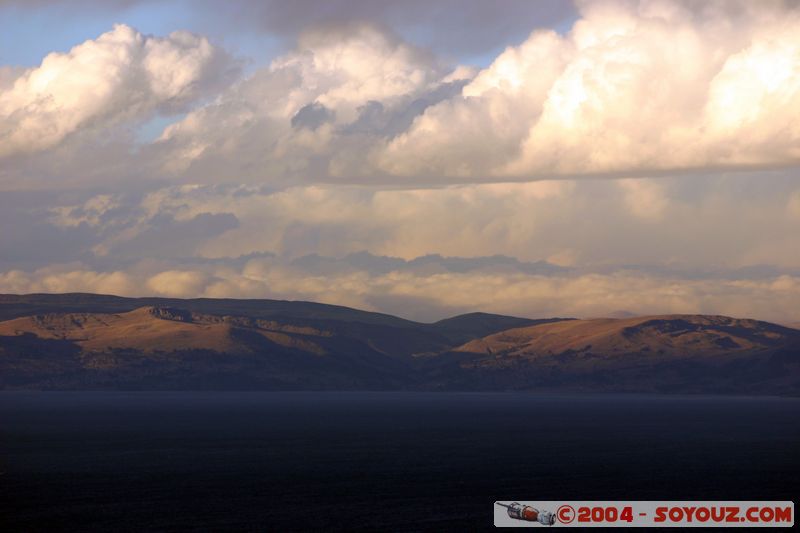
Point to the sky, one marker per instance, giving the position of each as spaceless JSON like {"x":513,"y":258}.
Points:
{"x":420,"y":158}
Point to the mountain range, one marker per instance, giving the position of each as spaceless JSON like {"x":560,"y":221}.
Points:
{"x":88,"y":341}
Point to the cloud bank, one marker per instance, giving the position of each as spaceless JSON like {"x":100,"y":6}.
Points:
{"x":433,"y":288}
{"x":632,"y":89}
{"x":584,"y":247}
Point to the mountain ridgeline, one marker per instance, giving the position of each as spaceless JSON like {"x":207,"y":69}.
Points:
{"x":87,"y":341}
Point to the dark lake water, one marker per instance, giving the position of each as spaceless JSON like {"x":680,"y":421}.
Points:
{"x":115,"y":461}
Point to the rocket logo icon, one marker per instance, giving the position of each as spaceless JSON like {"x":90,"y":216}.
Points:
{"x":529,"y":514}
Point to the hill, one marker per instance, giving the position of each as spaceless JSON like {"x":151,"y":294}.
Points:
{"x":667,"y":336}
{"x":668,"y":353}
{"x":96,"y":341}
{"x":16,"y":305}
{"x":83,"y":341}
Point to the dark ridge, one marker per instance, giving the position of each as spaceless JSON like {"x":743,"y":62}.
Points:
{"x":13,"y":306}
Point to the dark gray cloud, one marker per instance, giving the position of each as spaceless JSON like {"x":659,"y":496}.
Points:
{"x":28,"y":240}
{"x":167,"y":238}
{"x":312,"y":116}
{"x":456,"y":27}
{"x":449,"y":26}
{"x":375,"y":119}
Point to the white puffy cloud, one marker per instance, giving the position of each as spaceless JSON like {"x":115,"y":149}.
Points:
{"x":61,"y":279}
{"x":178,"y":283}
{"x":642,"y":86}
{"x":291,"y":118}
{"x":347,"y":67}
{"x":634,"y":88}
{"x":122,"y":75}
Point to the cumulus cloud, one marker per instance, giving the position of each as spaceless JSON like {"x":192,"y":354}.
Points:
{"x":634,"y":86}
{"x":63,"y":279}
{"x":178,"y":283}
{"x":307,"y":114}
{"x":120,"y":76}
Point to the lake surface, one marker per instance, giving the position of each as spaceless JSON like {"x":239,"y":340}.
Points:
{"x":177,"y":461}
